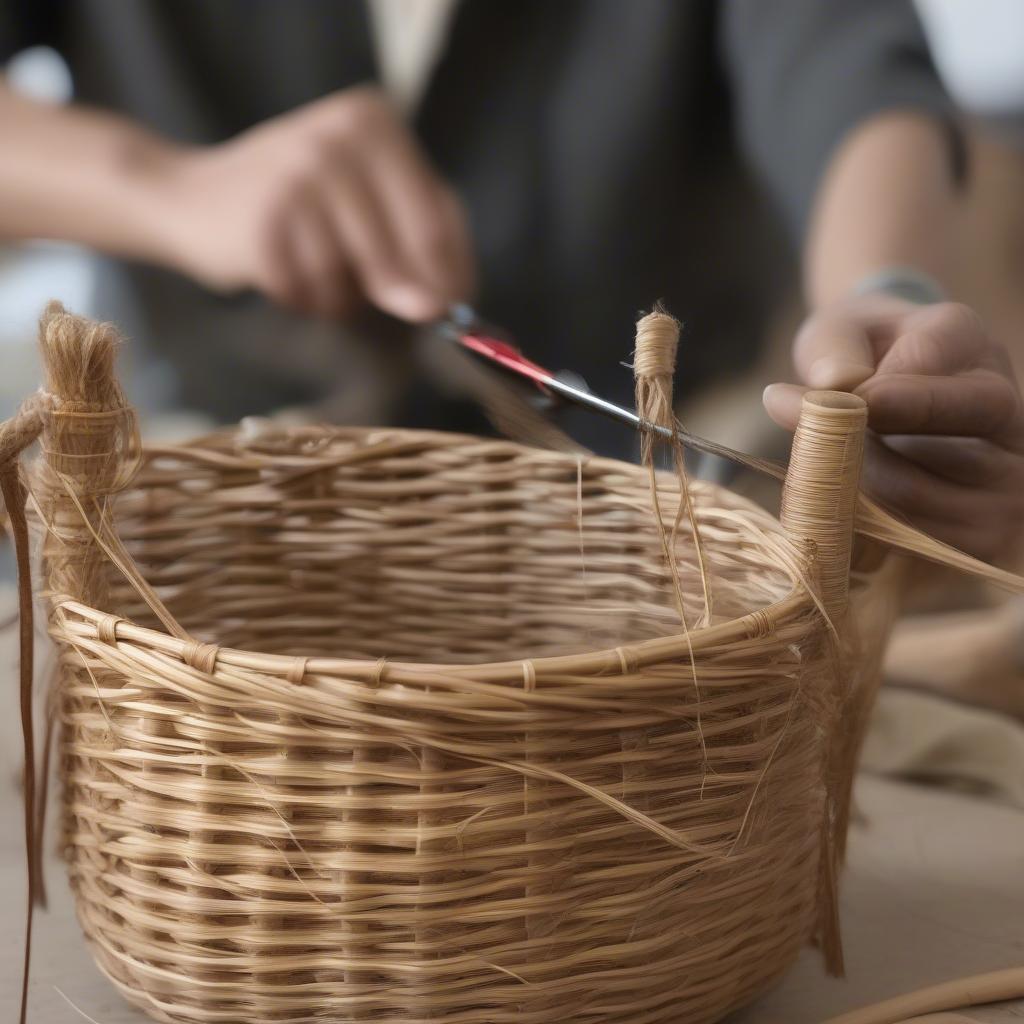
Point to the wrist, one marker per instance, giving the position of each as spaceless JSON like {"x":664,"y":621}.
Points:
{"x":147,"y":171}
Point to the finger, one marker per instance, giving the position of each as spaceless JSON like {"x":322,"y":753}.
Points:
{"x":425,"y":216}
{"x":366,"y":236}
{"x":326,"y":286}
{"x":939,"y":340}
{"x":977,"y":404}
{"x":957,"y":514}
{"x":833,"y":351}
{"x":987,"y":541}
{"x":279,"y":274}
{"x":462,"y":255}
{"x":971,"y":461}
{"x":782,"y":402}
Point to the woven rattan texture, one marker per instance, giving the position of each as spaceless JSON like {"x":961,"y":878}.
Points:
{"x":436,"y":751}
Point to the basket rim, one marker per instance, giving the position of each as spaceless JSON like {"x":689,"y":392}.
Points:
{"x":230,"y":445}
{"x":762,"y":622}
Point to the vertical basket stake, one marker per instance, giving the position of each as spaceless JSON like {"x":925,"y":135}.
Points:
{"x":819,"y":503}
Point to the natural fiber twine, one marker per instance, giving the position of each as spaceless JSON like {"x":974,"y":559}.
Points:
{"x":399,"y":726}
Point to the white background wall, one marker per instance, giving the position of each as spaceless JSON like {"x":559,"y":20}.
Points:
{"x":979,"y":47}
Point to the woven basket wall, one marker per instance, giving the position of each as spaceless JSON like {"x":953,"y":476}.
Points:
{"x":437,"y":749}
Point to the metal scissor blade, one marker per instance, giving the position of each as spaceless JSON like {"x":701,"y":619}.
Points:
{"x":475,"y":336}
{"x":601,"y":405}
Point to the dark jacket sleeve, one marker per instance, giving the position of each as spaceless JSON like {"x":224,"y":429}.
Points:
{"x":805,"y":72}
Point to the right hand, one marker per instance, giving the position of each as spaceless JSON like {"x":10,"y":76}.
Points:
{"x":320,"y":209}
{"x":946,"y":414}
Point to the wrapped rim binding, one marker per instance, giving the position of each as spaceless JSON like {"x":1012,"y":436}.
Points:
{"x":395,"y":725}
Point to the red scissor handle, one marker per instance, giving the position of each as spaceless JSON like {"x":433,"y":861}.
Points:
{"x":506,"y":355}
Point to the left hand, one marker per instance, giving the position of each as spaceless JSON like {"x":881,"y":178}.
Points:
{"x":946,"y":447}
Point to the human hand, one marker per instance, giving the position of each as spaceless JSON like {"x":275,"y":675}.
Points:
{"x":320,"y":209}
{"x":945,"y":412}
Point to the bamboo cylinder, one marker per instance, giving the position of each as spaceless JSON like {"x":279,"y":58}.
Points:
{"x":819,"y":498}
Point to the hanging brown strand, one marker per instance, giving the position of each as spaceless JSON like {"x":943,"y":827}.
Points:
{"x":17,"y":434}
{"x":14,"y":501}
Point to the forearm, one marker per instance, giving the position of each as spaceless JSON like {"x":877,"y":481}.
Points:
{"x":80,"y":175}
{"x":320,"y":209}
{"x":889,"y":198}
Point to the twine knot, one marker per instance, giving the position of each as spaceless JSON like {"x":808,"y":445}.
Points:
{"x":297,"y":672}
{"x":760,"y":624}
{"x":106,"y":628}
{"x":202,"y":657}
{"x":529,"y":676}
{"x":627,"y":661}
{"x":657,"y":340}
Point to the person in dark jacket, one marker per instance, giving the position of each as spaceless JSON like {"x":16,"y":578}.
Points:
{"x":262,"y":171}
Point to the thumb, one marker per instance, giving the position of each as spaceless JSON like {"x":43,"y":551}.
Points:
{"x":782,"y":403}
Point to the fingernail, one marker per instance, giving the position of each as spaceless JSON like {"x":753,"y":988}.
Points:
{"x":411,"y":302}
{"x":833,"y":372}
{"x":782,"y":403}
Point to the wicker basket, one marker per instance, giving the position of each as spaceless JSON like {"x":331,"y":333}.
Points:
{"x":401,"y":726}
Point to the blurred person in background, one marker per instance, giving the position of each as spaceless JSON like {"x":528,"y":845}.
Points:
{"x":966,"y":642}
{"x":262,"y":172}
